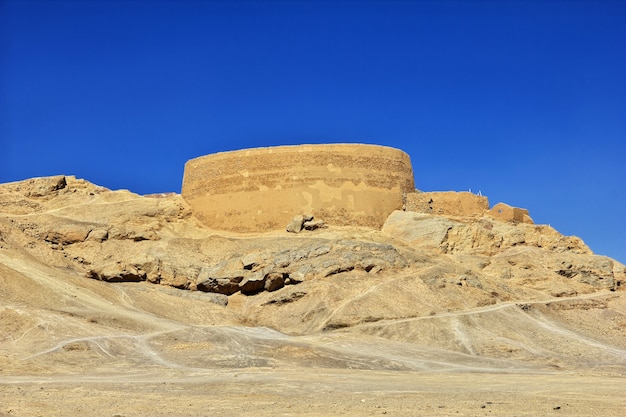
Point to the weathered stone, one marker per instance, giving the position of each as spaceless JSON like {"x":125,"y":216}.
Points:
{"x":491,"y":237}
{"x":211,"y":297}
{"x":253,"y":283}
{"x":299,"y":222}
{"x":131,"y":232}
{"x":98,"y":235}
{"x":178,"y":276}
{"x":597,"y":271}
{"x":295,"y":225}
{"x":372,"y":265}
{"x":223,"y":278}
{"x":117,"y":272}
{"x":274,"y":281}
{"x":253,"y":261}
{"x":41,"y":187}
{"x":336,"y":269}
{"x":224,"y":286}
{"x":417,"y":228}
{"x":299,"y":275}
{"x":313,"y":225}
{"x":68,"y":233}
{"x":286,"y":298}
{"x":318,"y":250}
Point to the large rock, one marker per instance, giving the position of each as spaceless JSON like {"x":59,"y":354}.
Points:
{"x":223,"y":278}
{"x":417,"y":228}
{"x":254,"y":282}
{"x":297,"y":223}
{"x":484,"y":235}
{"x":68,"y":233}
{"x":270,"y":269}
{"x":488,"y":236}
{"x":41,"y":187}
{"x":117,"y":272}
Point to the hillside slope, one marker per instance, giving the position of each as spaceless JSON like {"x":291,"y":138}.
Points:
{"x":131,"y":291}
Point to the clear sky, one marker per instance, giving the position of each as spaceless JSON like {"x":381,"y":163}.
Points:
{"x":524,"y":101}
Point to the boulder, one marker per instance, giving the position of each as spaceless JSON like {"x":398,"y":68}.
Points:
{"x":313,"y":225}
{"x":223,"y":278}
{"x":417,"y":228}
{"x":117,"y":272}
{"x":297,"y":223}
{"x":274,"y":281}
{"x":134,"y":232}
{"x":41,"y":187}
{"x":254,"y":261}
{"x":253,"y":283}
{"x":178,"y":276}
{"x":68,"y":233}
{"x":98,"y":235}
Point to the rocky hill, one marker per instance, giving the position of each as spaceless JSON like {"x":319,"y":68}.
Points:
{"x":133,"y":291}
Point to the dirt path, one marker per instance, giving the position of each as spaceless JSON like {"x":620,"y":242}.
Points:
{"x":490,"y":308}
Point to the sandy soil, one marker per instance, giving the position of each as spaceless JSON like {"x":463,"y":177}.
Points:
{"x":316,"y":392}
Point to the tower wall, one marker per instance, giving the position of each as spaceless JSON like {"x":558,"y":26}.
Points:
{"x":262,"y":189}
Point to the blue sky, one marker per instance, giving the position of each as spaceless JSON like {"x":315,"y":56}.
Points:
{"x":524,"y":101}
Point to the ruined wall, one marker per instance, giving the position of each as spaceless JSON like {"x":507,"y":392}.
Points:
{"x":452,"y":203}
{"x":262,"y":189}
{"x":504,"y":212}
{"x":449,"y":203}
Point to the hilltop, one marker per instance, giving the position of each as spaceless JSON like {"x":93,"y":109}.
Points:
{"x":114,"y":303}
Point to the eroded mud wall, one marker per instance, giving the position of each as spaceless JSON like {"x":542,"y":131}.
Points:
{"x":262,"y":189}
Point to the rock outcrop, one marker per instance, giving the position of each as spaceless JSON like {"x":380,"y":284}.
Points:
{"x":269,"y":270}
{"x":304,"y":222}
{"x":536,"y":251}
{"x":117,"y":236}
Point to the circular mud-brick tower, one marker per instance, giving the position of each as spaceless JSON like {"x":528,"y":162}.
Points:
{"x":262,"y":189}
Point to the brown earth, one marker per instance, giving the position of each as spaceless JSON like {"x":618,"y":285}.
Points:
{"x":105,"y":310}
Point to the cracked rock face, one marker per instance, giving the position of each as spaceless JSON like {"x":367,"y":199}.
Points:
{"x":271,"y":270}
{"x":117,"y":236}
{"x":513,"y":249}
{"x":260,"y":270}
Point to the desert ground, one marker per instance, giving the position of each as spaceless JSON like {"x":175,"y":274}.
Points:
{"x":115,"y":304}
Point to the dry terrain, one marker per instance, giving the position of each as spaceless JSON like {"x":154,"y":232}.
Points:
{"x":115,"y":304}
